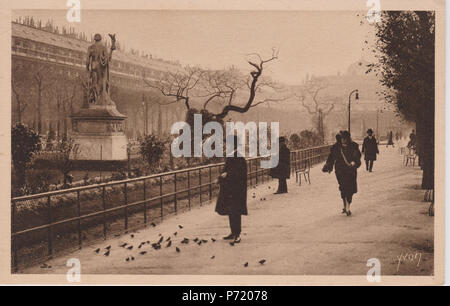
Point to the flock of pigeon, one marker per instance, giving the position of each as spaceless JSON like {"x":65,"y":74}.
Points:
{"x":162,"y":242}
{"x":167,"y":243}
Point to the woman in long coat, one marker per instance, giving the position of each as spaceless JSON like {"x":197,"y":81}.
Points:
{"x":232,"y":200}
{"x":346,"y":158}
{"x":283,"y":170}
{"x":370,"y":150}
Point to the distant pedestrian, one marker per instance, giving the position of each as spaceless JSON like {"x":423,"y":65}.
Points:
{"x":283,"y":170}
{"x":370,"y":150}
{"x":412,"y":140}
{"x":390,"y":140}
{"x":346,"y":158}
{"x":232,"y":199}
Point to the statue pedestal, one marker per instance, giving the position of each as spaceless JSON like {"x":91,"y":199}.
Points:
{"x":99,"y":133}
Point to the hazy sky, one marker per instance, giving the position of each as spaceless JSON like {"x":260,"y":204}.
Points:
{"x":313,"y":42}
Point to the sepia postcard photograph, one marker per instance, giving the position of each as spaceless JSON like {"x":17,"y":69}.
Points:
{"x":208,"y":143}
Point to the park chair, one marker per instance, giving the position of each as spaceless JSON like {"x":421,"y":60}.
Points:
{"x":305,"y":166}
{"x":410,"y":157}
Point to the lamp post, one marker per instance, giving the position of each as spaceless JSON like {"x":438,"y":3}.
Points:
{"x":379,"y":111}
{"x":349,"y":100}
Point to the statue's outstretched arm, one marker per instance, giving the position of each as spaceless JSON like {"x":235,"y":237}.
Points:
{"x":113,"y":45}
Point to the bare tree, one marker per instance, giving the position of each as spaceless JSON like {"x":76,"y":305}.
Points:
{"x":316,"y":105}
{"x":216,"y":86}
{"x":66,"y":152}
{"x":252,"y":84}
{"x":41,"y":79}
{"x":63,"y":91}
{"x":22,"y":102}
{"x":177,"y":85}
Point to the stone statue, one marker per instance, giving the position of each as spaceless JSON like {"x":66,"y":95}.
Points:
{"x":97,"y":64}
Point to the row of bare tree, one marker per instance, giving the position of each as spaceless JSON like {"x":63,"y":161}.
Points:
{"x":44,"y":96}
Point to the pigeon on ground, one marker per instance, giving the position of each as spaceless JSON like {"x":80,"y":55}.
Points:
{"x":262,"y":261}
{"x":169,"y":244}
{"x":232,"y":243}
{"x":97,"y":251}
{"x":108,"y":247}
{"x":246,"y":264}
{"x":199,"y":243}
{"x":204,"y":241}
{"x":132,"y":236}
{"x":213,"y":240}
{"x":175,"y":233}
{"x":132,"y":258}
{"x":180,"y":226}
{"x":196,"y":240}
{"x":185,"y":241}
{"x":153,"y":224}
{"x":123,"y":245}
{"x":177,"y":249}
{"x":143,"y":253}
{"x":161,"y":239}
{"x":107,"y":253}
{"x":213,"y":257}
{"x":130,"y":247}
{"x":127,"y":259}
{"x":168,"y":239}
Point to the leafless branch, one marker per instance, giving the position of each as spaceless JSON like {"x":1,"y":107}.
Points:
{"x":255,"y":74}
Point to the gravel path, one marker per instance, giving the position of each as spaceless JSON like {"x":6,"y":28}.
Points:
{"x":299,"y":233}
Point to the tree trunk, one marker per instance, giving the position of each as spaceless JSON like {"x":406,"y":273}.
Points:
{"x":39,"y":114}
{"x":427,"y":147}
{"x":58,"y":119}
{"x":159,"y":120}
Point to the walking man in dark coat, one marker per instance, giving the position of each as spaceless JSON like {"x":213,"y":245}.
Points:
{"x":283,"y":170}
{"x":232,"y":200}
{"x":370,"y":150}
{"x":346,"y":158}
{"x":390,"y":140}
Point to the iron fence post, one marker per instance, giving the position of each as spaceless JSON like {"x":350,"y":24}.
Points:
{"x":200,"y":184}
{"x":160,"y":195}
{"x":175,"y":191}
{"x":50,"y":234}
{"x":145,"y":204}
{"x":210,"y":183}
{"x":126,"y":205}
{"x":189,"y":189}
{"x":256,"y":169}
{"x":80,"y":241}
{"x":13,"y":240}
{"x":104,"y":213}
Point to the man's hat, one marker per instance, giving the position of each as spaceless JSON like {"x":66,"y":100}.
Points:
{"x":369,"y":131}
{"x":97,"y":37}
